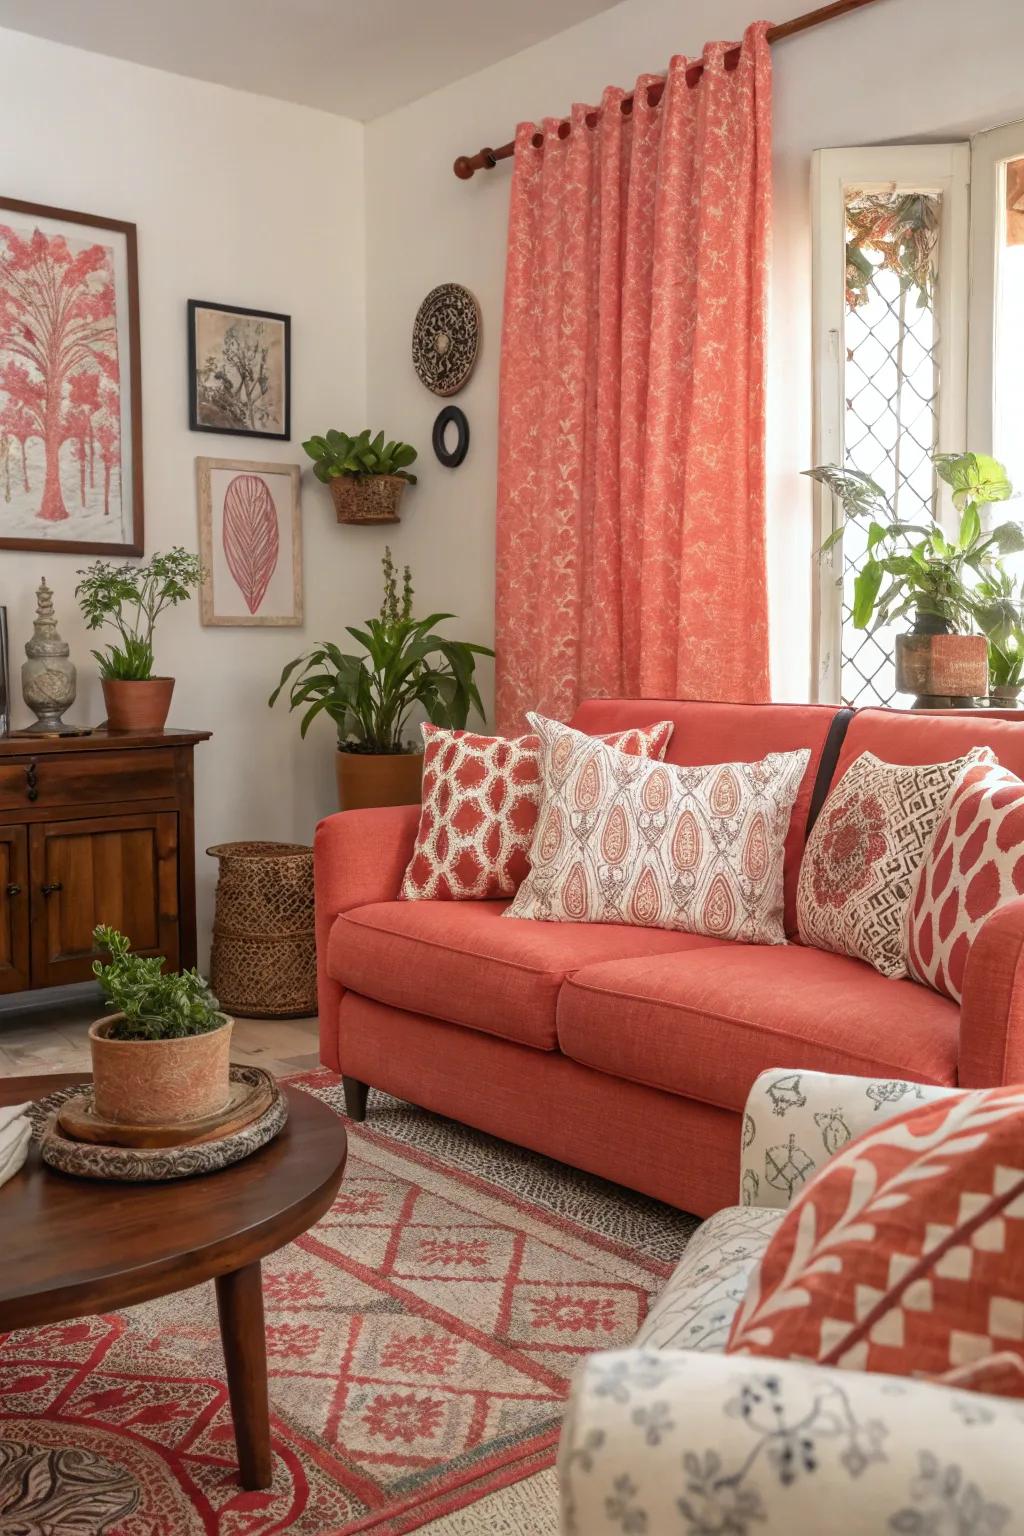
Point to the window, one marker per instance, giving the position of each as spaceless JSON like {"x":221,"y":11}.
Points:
{"x":996,"y":379}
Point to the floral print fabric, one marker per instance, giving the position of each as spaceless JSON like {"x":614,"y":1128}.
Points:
{"x":631,"y":500}
{"x":621,"y":840}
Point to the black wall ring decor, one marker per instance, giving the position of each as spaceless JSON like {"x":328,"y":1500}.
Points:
{"x":451,"y":458}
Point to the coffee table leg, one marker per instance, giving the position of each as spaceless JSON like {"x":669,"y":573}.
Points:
{"x":240,"y":1306}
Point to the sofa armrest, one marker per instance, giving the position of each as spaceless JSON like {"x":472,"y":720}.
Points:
{"x":358,"y":857}
{"x":677,"y":1442}
{"x":992,"y":1011}
{"x":795,"y":1121}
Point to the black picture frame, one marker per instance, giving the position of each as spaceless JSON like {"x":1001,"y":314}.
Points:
{"x":194,"y":407}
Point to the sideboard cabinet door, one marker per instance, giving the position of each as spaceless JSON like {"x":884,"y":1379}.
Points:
{"x":14,"y":962}
{"x":121,"y":870}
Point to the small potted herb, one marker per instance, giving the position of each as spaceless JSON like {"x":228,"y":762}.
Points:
{"x":407,"y":665}
{"x":161,"y":1055}
{"x":130,"y":598}
{"x":365,"y":478}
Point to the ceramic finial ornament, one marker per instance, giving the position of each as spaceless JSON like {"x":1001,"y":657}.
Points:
{"x":48,"y":677}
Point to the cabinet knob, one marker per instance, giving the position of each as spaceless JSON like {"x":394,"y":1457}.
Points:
{"x":14,"y":890}
{"x":31,"y":791}
{"x":50,"y":890}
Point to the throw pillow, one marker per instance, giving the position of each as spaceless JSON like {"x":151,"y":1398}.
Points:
{"x":974,"y":865}
{"x":620,"y":840}
{"x":905,"y":1254}
{"x":866,"y":847}
{"x":480,"y":800}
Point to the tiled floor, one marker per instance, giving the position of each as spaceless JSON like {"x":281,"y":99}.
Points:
{"x":54,"y":1040}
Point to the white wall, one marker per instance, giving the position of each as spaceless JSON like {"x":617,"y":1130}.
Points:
{"x":899,"y":69}
{"x":254,"y":202}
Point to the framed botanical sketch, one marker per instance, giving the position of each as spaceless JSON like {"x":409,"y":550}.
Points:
{"x":70,"y":390}
{"x":250,"y":542}
{"x":239,"y":367}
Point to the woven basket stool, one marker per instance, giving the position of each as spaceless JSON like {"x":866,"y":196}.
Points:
{"x":263,"y":963}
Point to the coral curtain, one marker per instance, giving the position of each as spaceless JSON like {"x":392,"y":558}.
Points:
{"x":631,"y":516}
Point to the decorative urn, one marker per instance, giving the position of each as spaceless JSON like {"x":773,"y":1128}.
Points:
{"x":48,"y":677}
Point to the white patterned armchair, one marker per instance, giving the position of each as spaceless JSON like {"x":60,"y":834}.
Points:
{"x":672,"y":1436}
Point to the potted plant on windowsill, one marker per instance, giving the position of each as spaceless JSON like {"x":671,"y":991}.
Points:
{"x":370,"y":697}
{"x":130,"y":598}
{"x":161,"y":1055}
{"x":1001,"y":616}
{"x":914,"y":568}
{"x":366,"y":478}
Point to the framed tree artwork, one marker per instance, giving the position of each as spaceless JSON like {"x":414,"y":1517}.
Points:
{"x":70,"y":390}
{"x":250,"y":542}
{"x":239,"y":366}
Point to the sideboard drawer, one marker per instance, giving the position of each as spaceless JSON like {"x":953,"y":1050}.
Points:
{"x":51,"y":779}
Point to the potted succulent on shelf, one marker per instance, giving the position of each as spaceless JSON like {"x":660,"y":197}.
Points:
{"x":161,"y":1055}
{"x":130,"y":598}
{"x":365,"y":478}
{"x":370,"y":697}
{"x":915,"y":568}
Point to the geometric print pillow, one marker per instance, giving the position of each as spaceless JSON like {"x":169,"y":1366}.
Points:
{"x":974,"y":865}
{"x":695,"y":849}
{"x":480,"y":801}
{"x":905,"y":1254}
{"x":866,"y":846}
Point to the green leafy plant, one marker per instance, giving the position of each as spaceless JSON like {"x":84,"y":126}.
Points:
{"x":156,"y":1004}
{"x":131,"y":598}
{"x":338,"y":454}
{"x":406,"y":664}
{"x":912,"y":566}
{"x":1000,"y":612}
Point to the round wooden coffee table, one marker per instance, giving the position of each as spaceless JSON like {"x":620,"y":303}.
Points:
{"x":74,"y":1247}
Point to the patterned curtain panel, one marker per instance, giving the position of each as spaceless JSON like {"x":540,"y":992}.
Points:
{"x":631,"y":521}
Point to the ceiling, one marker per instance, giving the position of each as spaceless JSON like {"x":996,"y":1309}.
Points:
{"x":360,"y":58}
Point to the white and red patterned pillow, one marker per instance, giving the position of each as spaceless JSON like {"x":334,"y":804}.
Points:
{"x":480,"y":800}
{"x":866,"y":846}
{"x":905,"y":1254}
{"x":974,"y":865}
{"x":620,"y":840}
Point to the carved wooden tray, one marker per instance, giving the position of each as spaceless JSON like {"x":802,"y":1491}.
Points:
{"x":78,"y":1120}
{"x":97,"y":1160}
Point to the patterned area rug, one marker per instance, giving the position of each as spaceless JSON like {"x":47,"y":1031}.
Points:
{"x":420,"y":1339}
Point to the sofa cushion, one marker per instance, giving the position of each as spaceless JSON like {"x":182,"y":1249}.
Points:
{"x":706,"y":1023}
{"x":915,"y":736}
{"x":458,"y":961}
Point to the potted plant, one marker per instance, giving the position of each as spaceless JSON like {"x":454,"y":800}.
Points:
{"x":370,"y":697}
{"x":1000,"y":612}
{"x":913,"y":568}
{"x":365,"y":478}
{"x":130,"y":598}
{"x":161,"y":1055}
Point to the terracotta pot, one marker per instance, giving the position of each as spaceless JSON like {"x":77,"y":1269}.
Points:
{"x":378,"y":778}
{"x":942,"y":669}
{"x":159,"y":1082}
{"x":137,"y":706}
{"x":373,"y":500}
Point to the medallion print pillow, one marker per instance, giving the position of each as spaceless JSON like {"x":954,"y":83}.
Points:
{"x":905,"y":1254}
{"x":480,"y":800}
{"x":621,"y":840}
{"x":974,"y":865}
{"x":867,"y":845}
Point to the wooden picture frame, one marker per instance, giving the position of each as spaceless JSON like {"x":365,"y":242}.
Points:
{"x":225,"y":399}
{"x":250,"y":543}
{"x":90,"y":482}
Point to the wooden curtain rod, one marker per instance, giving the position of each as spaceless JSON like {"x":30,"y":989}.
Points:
{"x":487,"y":159}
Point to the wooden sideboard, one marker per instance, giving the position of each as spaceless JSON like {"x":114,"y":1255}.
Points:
{"x":94,"y":829}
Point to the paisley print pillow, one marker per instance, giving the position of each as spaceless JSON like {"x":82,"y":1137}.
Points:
{"x":623,"y":840}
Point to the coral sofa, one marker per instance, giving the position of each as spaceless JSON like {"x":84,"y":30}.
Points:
{"x":630,"y":1052}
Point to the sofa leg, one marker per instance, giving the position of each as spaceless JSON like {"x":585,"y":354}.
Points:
{"x":356,"y":1094}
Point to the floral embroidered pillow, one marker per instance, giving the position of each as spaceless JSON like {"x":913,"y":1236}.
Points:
{"x":623,"y":840}
{"x":480,"y":799}
{"x":866,"y":847}
{"x":905,"y":1254}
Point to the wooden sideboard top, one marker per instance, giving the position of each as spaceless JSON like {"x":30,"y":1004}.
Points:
{"x":98,"y":740}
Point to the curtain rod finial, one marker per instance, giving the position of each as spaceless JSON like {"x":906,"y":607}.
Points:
{"x":463,"y":167}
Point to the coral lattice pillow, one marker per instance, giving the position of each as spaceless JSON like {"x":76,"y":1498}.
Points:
{"x":905,"y":1254}
{"x":620,"y":840}
{"x":974,"y":865}
{"x":480,"y":800}
{"x":866,"y":847}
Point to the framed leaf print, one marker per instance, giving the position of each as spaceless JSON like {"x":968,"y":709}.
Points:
{"x":250,"y":542}
{"x":239,"y":367}
{"x":70,"y":390}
